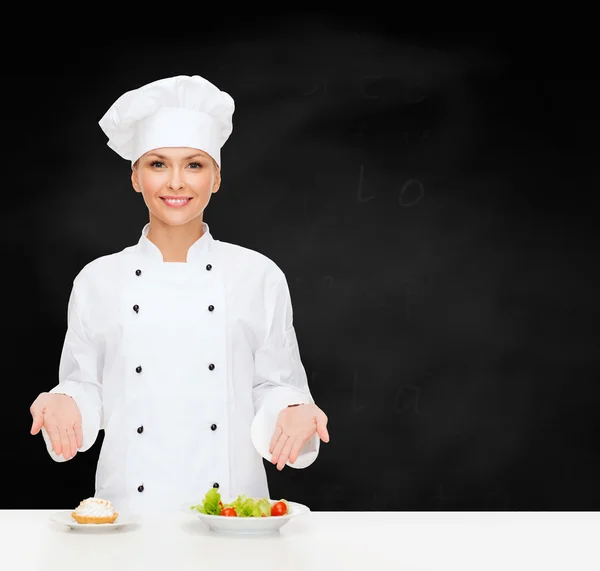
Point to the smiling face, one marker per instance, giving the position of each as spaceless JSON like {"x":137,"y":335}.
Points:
{"x":176,"y":183}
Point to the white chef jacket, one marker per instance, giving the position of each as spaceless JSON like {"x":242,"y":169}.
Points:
{"x":185,"y":366}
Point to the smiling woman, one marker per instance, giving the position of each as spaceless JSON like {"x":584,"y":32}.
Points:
{"x":177,"y":184}
{"x":181,"y":347}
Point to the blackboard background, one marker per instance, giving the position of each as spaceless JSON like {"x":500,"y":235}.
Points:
{"x":431,"y":200}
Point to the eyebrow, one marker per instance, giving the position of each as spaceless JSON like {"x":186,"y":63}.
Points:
{"x":184,"y":158}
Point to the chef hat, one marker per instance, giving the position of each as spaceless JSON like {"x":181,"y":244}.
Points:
{"x":181,"y":111}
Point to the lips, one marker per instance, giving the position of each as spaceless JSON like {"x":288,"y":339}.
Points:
{"x":176,"y":201}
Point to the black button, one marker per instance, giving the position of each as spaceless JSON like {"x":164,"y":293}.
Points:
{"x":138,"y":369}
{"x":209,"y":267}
{"x":136,"y":308}
{"x":216,"y":485}
{"x":138,"y":272}
{"x":211,"y":366}
{"x":213,"y":427}
{"x":211,"y":307}
{"x":140,"y":489}
{"x":140,"y":429}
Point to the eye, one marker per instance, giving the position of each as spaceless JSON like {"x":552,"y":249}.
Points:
{"x":157,"y":164}
{"x":196,"y":165}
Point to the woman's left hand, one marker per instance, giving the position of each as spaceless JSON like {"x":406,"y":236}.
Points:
{"x":296,"y":425}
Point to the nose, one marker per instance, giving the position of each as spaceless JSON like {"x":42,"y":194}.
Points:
{"x":175,"y":180}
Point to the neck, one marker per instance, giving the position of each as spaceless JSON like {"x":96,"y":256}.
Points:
{"x":174,"y":241}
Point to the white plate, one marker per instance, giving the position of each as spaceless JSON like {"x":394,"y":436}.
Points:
{"x":66,"y":518}
{"x":249,"y":525}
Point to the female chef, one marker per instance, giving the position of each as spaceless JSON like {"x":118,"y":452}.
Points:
{"x":180,"y":347}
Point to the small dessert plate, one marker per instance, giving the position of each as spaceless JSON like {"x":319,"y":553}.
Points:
{"x":64,"y":517}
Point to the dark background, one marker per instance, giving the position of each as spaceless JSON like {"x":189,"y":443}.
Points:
{"x":430,"y":198}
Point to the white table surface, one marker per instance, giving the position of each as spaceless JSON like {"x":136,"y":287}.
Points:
{"x":403,"y":541}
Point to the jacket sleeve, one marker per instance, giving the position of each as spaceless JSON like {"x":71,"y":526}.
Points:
{"x":79,"y":376}
{"x":279,"y":375}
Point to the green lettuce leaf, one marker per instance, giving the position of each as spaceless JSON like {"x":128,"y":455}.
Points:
{"x":250,"y":507}
{"x":210,"y":504}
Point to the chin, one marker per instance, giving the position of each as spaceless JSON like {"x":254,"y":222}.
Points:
{"x":173,"y":217}
{"x":177,"y":221}
{"x":172,"y":220}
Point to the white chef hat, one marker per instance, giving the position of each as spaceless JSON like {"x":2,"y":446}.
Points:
{"x":181,"y":111}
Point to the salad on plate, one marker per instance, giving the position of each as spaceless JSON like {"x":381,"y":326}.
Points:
{"x":242,"y":506}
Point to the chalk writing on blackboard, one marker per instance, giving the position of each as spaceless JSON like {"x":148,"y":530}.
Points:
{"x":317,"y":87}
{"x":369,"y":79}
{"x":407,"y":399}
{"x":411,"y":193}
{"x":361,"y":179}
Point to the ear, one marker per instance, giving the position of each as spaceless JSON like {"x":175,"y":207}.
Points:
{"x":217,"y":181}
{"x":134,"y":178}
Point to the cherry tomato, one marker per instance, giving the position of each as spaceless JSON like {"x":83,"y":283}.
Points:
{"x":278,"y":508}
{"x":230,"y":512}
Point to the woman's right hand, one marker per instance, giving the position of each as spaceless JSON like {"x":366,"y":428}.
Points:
{"x":59,"y":415}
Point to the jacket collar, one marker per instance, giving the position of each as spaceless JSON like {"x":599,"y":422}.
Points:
{"x":195,"y":251}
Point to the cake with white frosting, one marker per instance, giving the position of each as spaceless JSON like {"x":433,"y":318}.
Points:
{"x":95,"y":510}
